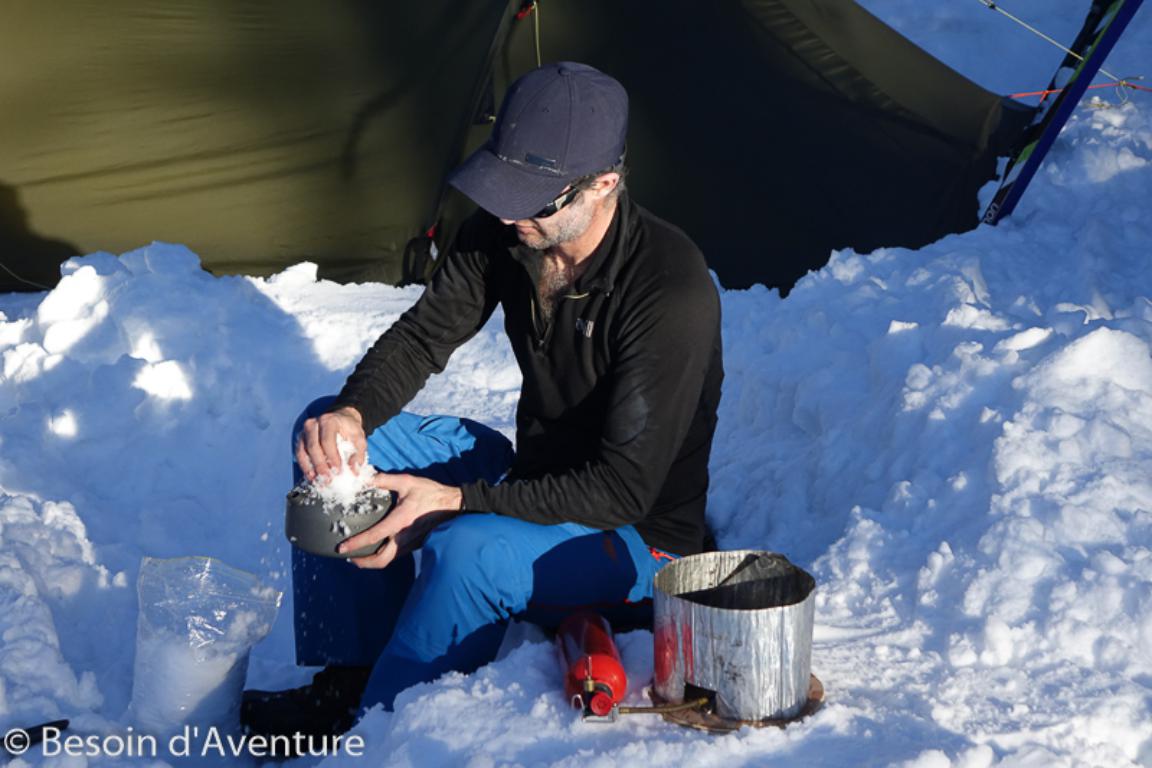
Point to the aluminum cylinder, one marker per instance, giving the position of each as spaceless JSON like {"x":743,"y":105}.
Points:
{"x":738,"y":624}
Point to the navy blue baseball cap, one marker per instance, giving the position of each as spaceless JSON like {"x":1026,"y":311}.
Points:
{"x":557,"y":123}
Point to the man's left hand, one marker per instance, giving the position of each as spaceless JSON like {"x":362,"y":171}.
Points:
{"x":421,"y":505}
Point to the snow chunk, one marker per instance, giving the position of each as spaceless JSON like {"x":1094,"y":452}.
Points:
{"x":297,"y":276}
{"x":63,"y":424}
{"x":24,"y":362}
{"x":145,"y":347}
{"x":13,"y":332}
{"x":162,"y":259}
{"x":72,"y":298}
{"x":1024,"y":340}
{"x":969,"y":316}
{"x":72,"y":310}
{"x":1102,"y":356}
{"x":165,"y":380}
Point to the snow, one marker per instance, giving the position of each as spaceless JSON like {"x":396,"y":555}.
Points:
{"x":956,"y":442}
{"x":342,"y":487}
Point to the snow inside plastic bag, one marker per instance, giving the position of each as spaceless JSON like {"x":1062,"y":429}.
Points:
{"x":198,"y":621}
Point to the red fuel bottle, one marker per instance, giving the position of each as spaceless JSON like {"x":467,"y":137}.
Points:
{"x":592,"y":664}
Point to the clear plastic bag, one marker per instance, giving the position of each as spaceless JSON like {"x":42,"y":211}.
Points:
{"x":198,"y":621}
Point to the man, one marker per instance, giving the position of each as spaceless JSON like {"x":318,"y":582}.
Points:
{"x":615,"y":323}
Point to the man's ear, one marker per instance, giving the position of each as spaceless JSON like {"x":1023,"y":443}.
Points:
{"x":605,"y":183}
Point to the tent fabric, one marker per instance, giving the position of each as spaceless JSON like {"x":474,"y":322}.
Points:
{"x":259,"y":134}
{"x":262,"y":134}
{"x":778,"y":130}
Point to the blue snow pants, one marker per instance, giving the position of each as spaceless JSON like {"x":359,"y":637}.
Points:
{"x":476,"y":571}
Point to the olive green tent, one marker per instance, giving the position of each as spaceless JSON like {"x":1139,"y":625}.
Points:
{"x":262,"y":134}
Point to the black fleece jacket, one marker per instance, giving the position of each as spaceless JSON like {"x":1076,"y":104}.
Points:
{"x":618,"y":404}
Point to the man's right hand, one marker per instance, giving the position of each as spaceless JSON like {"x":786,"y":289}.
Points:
{"x":316,"y":450}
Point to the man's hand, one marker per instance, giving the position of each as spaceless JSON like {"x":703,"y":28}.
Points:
{"x":421,"y":505}
{"x":316,"y":450}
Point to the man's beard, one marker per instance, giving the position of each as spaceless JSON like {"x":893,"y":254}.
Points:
{"x":550,"y":234}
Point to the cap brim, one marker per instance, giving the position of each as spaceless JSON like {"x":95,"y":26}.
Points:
{"x":502,"y":189}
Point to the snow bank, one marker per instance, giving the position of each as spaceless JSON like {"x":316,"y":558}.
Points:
{"x":156,"y":402}
{"x":47,"y":568}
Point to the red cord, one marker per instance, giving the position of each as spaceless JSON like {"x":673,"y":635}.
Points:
{"x":1124,"y":84}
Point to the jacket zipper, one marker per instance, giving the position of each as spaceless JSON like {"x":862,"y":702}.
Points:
{"x":543,"y":334}
{"x":541,"y":330}
{"x":538,"y":333}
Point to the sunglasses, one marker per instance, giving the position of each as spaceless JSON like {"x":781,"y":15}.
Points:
{"x":566,"y":197}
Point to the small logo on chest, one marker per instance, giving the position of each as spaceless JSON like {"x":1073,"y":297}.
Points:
{"x":584,"y":327}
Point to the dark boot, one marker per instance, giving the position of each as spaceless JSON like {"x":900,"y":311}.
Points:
{"x":326,"y":707}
